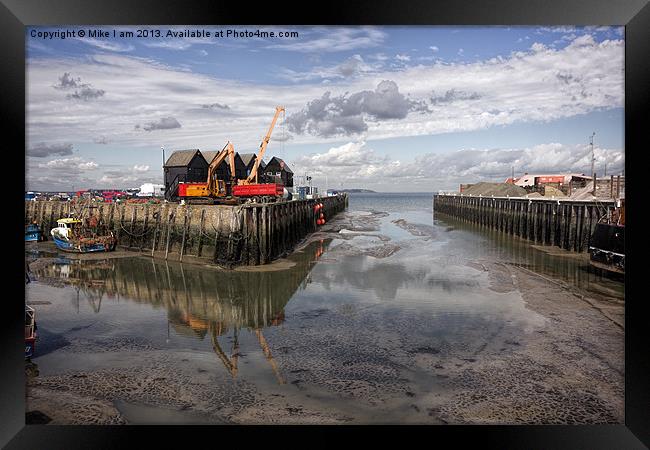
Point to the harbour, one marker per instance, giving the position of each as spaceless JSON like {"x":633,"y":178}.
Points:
{"x":246,"y":235}
{"x":339,"y":226}
{"x":387,"y":309}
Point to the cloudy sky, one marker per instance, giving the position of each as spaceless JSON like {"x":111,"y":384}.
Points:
{"x":393,"y":109}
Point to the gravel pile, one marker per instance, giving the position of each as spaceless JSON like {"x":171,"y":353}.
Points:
{"x":550,"y":191}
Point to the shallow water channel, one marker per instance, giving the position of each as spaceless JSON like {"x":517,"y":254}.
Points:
{"x":377,"y":322}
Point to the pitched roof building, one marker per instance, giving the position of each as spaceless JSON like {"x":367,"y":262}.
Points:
{"x":278,"y":168}
{"x":535,"y":179}
{"x":249,"y":160}
{"x":223,"y":171}
{"x":183,"y":165}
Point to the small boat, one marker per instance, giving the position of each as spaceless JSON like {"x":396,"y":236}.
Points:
{"x":33,"y":233}
{"x":30,"y":331}
{"x":71,"y":236}
{"x":607,"y":246}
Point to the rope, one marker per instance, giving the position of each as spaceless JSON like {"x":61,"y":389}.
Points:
{"x":133,"y":234}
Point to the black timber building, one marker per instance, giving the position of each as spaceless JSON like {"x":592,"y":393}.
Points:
{"x":183,"y":165}
{"x":278,"y":168}
{"x":249,"y":160}
{"x":223,"y":171}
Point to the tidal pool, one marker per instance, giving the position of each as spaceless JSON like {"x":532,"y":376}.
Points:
{"x":389,"y":324}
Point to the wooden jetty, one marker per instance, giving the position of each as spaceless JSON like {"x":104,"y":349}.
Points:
{"x":561,"y":222}
{"x":248,"y":234}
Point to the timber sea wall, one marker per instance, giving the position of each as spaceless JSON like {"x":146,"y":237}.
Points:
{"x":248,"y":234}
{"x":564,"y":223}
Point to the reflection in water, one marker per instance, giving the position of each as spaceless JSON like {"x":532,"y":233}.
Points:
{"x":366,"y":338}
{"x":200,"y":301}
{"x":572,"y":268}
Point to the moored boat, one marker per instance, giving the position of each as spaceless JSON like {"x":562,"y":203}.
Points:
{"x":33,"y":233}
{"x":71,"y":236}
{"x":607,"y":246}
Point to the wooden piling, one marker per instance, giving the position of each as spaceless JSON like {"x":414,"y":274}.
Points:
{"x":256,"y":236}
{"x":245,"y":248}
{"x":185,"y":224}
{"x":584,"y":233}
{"x":133,"y":212}
{"x":169,"y":227}
{"x":216,"y":245}
{"x":264,"y":236}
{"x":51,"y":221}
{"x":145,"y":227}
{"x":201,"y":232}
{"x":155,"y":232}
{"x":111,"y":223}
{"x":118,"y":232}
{"x":570,"y":227}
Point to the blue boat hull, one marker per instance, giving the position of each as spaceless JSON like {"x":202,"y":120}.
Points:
{"x":32,"y":233}
{"x":32,"y":237}
{"x":68,"y":247}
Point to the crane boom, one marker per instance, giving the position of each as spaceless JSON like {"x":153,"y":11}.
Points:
{"x":227,"y":151}
{"x":252,"y":177}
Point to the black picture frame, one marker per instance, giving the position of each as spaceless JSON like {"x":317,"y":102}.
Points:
{"x":15,"y":15}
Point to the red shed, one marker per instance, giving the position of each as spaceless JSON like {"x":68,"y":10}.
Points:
{"x":549,"y":179}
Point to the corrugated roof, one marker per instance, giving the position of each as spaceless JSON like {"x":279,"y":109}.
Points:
{"x":529,"y":179}
{"x":181,"y":158}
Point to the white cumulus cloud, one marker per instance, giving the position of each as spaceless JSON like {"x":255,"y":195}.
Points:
{"x":140,"y":168}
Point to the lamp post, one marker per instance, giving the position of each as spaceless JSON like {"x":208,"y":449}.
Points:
{"x":162,"y":147}
{"x":593,"y":158}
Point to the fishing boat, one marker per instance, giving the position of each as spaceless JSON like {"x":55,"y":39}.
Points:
{"x":33,"y":233}
{"x":70,"y":235}
{"x":607,"y":246}
{"x":30,"y":331}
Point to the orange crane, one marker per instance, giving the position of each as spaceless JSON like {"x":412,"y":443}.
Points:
{"x":213,"y":188}
{"x":231,"y":363}
{"x":252,"y":177}
{"x":250,"y":186}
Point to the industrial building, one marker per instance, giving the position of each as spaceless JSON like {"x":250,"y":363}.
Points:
{"x":528,"y":180}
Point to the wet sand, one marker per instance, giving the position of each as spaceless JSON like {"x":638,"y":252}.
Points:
{"x":530,"y":349}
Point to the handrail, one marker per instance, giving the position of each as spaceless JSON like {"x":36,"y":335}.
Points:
{"x":172,"y":191}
